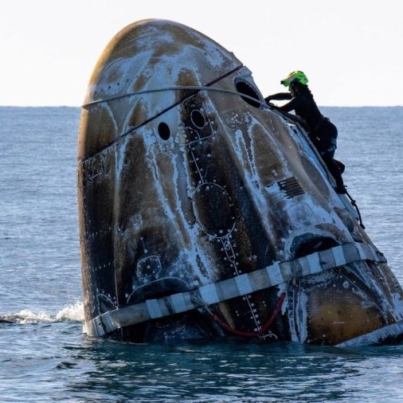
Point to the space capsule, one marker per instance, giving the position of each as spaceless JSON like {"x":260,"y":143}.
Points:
{"x":205,"y":214}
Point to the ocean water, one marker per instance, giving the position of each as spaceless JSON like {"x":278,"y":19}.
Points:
{"x":45,"y":357}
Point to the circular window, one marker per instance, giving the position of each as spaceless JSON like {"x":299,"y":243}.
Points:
{"x":163,"y":131}
{"x":244,"y":88}
{"x":197,"y":119}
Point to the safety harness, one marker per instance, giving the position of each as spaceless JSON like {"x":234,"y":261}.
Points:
{"x":244,"y":284}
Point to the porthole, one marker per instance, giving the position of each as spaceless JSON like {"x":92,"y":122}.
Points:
{"x":163,"y":131}
{"x":197,"y":118}
{"x":244,"y":88}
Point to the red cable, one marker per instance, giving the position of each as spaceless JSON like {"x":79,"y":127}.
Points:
{"x":262,"y":330}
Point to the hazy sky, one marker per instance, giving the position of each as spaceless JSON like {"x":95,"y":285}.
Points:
{"x":351,"y":50}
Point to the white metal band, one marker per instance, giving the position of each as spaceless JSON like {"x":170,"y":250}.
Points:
{"x":244,"y":284}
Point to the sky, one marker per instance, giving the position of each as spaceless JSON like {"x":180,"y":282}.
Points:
{"x":350,"y":50}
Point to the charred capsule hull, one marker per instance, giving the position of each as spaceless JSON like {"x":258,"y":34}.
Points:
{"x":203,"y":213}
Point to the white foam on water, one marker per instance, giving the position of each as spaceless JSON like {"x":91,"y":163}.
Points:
{"x":73,"y":312}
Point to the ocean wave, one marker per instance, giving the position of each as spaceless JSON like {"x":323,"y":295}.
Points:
{"x":72,"y":312}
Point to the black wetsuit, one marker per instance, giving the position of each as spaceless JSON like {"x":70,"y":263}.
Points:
{"x":321,"y":131}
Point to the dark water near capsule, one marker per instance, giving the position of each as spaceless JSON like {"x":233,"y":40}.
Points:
{"x":44,"y":357}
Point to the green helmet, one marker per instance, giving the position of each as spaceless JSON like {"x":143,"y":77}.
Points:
{"x":295,"y":76}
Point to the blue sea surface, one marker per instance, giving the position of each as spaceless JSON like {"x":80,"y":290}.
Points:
{"x":44,"y":355}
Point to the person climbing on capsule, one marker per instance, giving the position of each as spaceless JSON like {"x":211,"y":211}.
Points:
{"x":321,"y":131}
